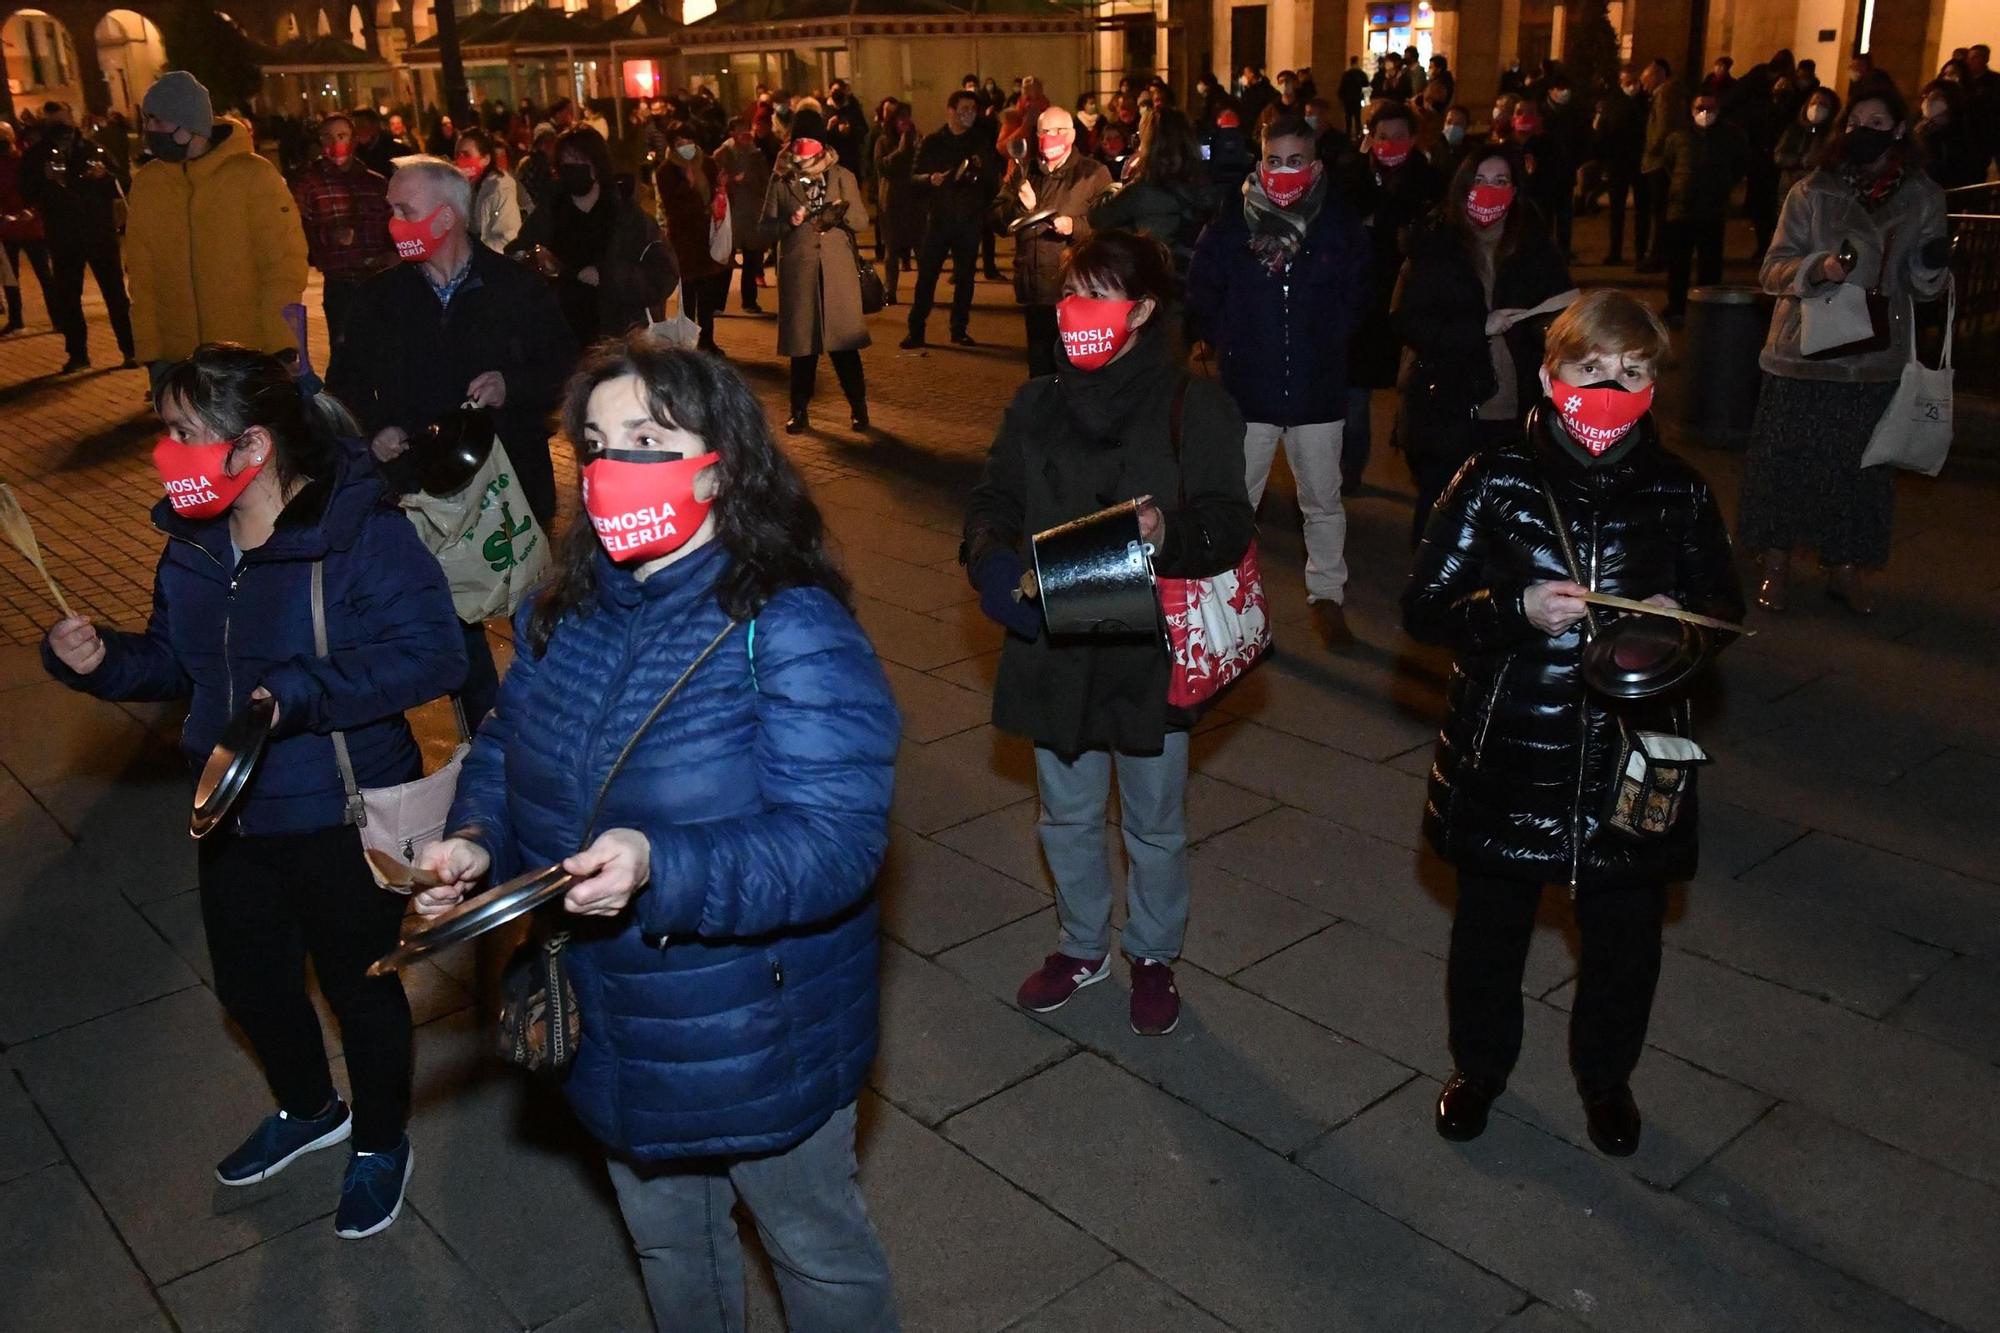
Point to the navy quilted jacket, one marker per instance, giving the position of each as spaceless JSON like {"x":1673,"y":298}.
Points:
{"x":220,"y":628}
{"x":732,"y":1010}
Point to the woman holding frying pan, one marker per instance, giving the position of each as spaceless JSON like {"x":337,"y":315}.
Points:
{"x":260,"y":492}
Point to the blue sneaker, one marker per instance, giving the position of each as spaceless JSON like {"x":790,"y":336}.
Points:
{"x":372,"y":1194}
{"x":280,"y":1141}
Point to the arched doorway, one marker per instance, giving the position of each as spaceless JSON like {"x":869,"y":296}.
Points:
{"x":41,"y":61}
{"x":130,"y":54}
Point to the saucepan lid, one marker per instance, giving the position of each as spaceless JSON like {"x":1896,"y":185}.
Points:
{"x":230,"y":765}
{"x":1638,"y":657}
{"x":475,"y":916}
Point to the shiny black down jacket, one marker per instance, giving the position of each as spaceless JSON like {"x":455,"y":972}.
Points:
{"x":1525,"y":757}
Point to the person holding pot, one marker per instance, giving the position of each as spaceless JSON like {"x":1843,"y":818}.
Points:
{"x":1120,"y":421}
{"x":1048,"y":177}
{"x":260,"y":492}
{"x":1869,"y":216}
{"x":454,"y":324}
{"x":1478,"y":269}
{"x":811,"y":212}
{"x":723,"y":932}
{"x":612,"y":267}
{"x":1522,"y":784}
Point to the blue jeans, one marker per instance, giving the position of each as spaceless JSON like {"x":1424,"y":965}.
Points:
{"x":1152,"y":792}
{"x":831,"y":1271}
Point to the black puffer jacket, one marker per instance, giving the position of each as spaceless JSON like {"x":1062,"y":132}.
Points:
{"x":1524,"y":760}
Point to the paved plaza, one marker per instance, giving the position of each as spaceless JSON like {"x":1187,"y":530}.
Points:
{"x":1822,"y":1092}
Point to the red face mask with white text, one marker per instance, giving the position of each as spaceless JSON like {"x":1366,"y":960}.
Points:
{"x":1487,"y":204}
{"x":1392,"y":152}
{"x":470,"y":165}
{"x":1598,"y":416}
{"x":1285,"y":186}
{"x":1053,"y":146}
{"x":1093,"y":330}
{"x":419,"y":240}
{"x":643,"y":503}
{"x":197,"y":479}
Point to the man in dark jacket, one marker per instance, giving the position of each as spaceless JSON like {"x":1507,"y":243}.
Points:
{"x":1666,"y":111}
{"x":1353,"y":91}
{"x":68,"y":178}
{"x":954,"y":178}
{"x":455,"y":323}
{"x":1621,"y":142}
{"x":1703,"y":164}
{"x":1276,"y":287}
{"x":1055,"y":179}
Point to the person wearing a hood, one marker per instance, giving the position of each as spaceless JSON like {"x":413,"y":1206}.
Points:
{"x":213,"y":246}
{"x":1049,"y":177}
{"x":1521,"y":789}
{"x":1120,"y":421}
{"x":269,"y":514}
{"x":1867,"y":215}
{"x":345,"y":208}
{"x":810,"y":214}
{"x":1277,"y":285}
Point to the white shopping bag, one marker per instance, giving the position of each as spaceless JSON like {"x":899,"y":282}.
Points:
{"x":1915,"y":432}
{"x":676,"y":330}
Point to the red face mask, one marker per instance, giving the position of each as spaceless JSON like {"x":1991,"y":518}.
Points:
{"x":1487,"y":204}
{"x":197,"y":479}
{"x":418,"y":241}
{"x":1286,"y":186}
{"x":1599,"y":415}
{"x":1093,"y":330}
{"x":340,"y":150}
{"x":1054,"y":146}
{"x":1392,"y":152}
{"x":1526,"y":128}
{"x":807,"y":148}
{"x":642,"y":503}
{"x":470,"y":165}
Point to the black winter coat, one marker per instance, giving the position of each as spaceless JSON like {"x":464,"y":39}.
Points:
{"x":1524,"y":761}
{"x":1391,"y":200}
{"x":1077,"y":442}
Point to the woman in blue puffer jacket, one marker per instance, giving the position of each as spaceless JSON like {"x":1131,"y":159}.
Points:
{"x":259,"y":491}
{"x":723,"y":931}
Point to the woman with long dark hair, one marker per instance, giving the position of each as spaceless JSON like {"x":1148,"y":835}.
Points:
{"x":263,"y":511}
{"x":686,"y":182}
{"x":1476,"y":270}
{"x":1867,"y":215}
{"x":1120,"y":420}
{"x":811,"y":212}
{"x":496,"y":196}
{"x":723,"y":932}
{"x":611,"y":265}
{"x":899,"y":218}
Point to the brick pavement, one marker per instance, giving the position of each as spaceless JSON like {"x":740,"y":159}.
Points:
{"x":1820,"y":1152}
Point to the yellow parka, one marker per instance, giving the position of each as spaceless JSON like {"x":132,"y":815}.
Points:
{"x":214,"y":250}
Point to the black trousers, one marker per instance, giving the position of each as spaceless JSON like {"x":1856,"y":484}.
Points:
{"x":1043,"y":336}
{"x":65,"y":297}
{"x":270,"y":903}
{"x":1433,"y":463}
{"x":337,"y":299}
{"x":1651,"y":198}
{"x":1352,"y":113}
{"x":1616,"y":978}
{"x":38,"y":259}
{"x":988,"y":240}
{"x":753,"y":269}
{"x":1618,"y":183}
{"x":703,"y":299}
{"x":1760,"y":201}
{"x":959,"y":243}
{"x":846,"y":365}
{"x":481,"y":689}
{"x":1691,"y":244}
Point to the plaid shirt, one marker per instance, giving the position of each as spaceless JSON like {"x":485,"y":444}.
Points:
{"x":346,"y":217}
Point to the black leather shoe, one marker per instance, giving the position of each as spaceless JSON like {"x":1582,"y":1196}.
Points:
{"x":962,"y":339}
{"x":860,"y":422}
{"x":1614,"y":1122}
{"x":797,"y":424}
{"x":912,"y":342}
{"x":1462,"y":1107}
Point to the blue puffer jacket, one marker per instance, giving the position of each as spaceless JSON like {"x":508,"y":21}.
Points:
{"x":220,"y":629}
{"x":1281,"y":340}
{"x":732,"y":1010}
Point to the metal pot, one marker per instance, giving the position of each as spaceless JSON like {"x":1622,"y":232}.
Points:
{"x":448,"y":453}
{"x":230,"y":765}
{"x":1638,"y":657}
{"x":1096,"y":576}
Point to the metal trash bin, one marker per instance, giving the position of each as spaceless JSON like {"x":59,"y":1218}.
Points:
{"x":1720,"y":378}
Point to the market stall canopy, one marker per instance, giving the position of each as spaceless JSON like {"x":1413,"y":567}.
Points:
{"x":756,"y":20}
{"x":487,"y":38}
{"x":319,"y":55}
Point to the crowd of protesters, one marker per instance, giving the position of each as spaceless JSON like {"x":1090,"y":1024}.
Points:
{"x":1201,"y":283}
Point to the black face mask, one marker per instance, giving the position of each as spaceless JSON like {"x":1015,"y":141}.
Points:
{"x":577,"y":177}
{"x":161,"y":144}
{"x":1867,"y":144}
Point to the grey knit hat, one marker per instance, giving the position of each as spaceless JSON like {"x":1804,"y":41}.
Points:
{"x":178,"y":98}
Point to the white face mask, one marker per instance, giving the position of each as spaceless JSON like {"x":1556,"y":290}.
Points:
{"x":1559,"y":98}
{"x":687,"y":151}
{"x":1819,"y":113}
{"x":1934,"y":109}
{"x":1704,"y":118}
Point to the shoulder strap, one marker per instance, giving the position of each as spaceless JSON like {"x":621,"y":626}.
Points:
{"x":1176,"y":413}
{"x":357,"y":809}
{"x":1569,"y":555}
{"x":604,"y":788}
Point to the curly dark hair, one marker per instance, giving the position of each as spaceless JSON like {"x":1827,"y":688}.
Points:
{"x":764,"y":516}
{"x":231,"y":388}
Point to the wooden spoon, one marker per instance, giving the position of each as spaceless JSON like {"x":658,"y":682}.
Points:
{"x":395,"y":875}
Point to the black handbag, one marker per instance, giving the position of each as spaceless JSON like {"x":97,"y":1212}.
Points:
{"x":874,"y":296}
{"x":540,"y":1024}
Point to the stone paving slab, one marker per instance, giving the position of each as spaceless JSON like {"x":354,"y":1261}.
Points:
{"x":1306,"y":698}
{"x":25,"y":1143}
{"x":185,"y":1096}
{"x":1959,"y":1006}
{"x":933,"y":897}
{"x":1246,"y":1062}
{"x":1904,"y":1089}
{"x":1329,"y":783}
{"x":1909,"y":897}
{"x":911,"y":638}
{"x":1120,"y":1299}
{"x":1913,"y":1229}
{"x":65,"y":1268}
{"x":1277,"y":1250}
{"x":1582,"y":1235}
{"x":960,"y":777}
{"x":932,"y":708}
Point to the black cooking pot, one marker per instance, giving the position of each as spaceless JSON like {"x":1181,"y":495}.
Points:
{"x":448,"y":453}
{"x":1096,"y":576}
{"x":1638,"y":657}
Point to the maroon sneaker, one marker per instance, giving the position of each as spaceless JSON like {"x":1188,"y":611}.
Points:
{"x":1059,"y":977}
{"x":1156,"y":1001}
